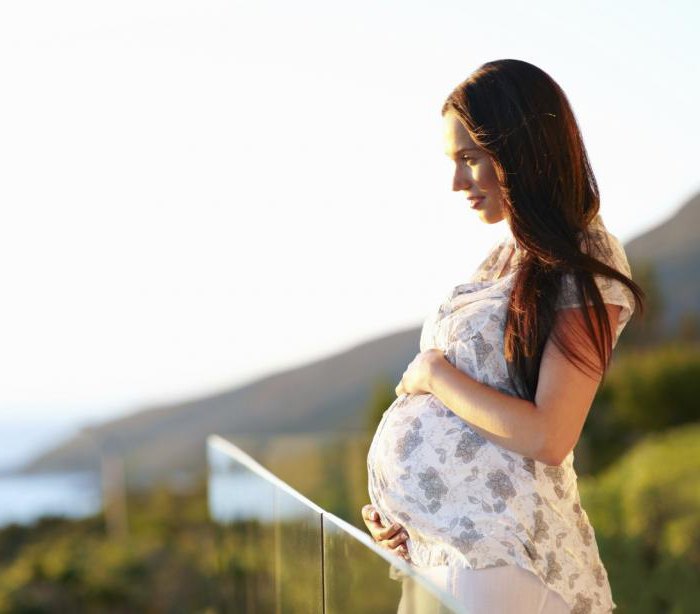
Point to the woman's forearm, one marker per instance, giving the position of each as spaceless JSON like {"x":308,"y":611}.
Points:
{"x":513,"y":423}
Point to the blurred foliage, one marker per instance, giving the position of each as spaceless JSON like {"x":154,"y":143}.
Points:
{"x":645,"y":510}
{"x":175,"y":559}
{"x":688,"y":329}
{"x":654,"y":389}
{"x":167,"y":564}
{"x":646,"y":390}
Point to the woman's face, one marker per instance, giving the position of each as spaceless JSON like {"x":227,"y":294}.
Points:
{"x":474,"y":172}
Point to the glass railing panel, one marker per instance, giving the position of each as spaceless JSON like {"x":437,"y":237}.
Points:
{"x":299,"y":551}
{"x":281,"y":553}
{"x":271,"y":543}
{"x":362,"y":578}
{"x":242,"y":504}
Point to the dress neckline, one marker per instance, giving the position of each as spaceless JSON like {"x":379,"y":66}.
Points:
{"x":507,"y":248}
{"x":507,"y":259}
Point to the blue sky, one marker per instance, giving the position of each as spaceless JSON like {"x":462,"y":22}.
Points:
{"x":199,"y":193}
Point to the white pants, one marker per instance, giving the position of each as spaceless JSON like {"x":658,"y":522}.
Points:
{"x":495,"y":590}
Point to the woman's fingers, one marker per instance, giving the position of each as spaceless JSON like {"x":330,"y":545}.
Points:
{"x":388,"y":532}
{"x":369,"y":513}
{"x":400,"y":549}
{"x":391,"y":537}
{"x":397,"y":540}
{"x":375,"y":526}
{"x":371,"y":520}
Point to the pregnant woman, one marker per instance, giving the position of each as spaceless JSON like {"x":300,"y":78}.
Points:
{"x":471,"y":474}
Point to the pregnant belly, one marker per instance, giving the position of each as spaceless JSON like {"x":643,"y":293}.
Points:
{"x":420,"y":452}
{"x":457,"y":493}
{"x":426,"y":464}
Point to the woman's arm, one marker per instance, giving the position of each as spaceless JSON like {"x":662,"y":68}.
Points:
{"x":511,"y":422}
{"x":546,"y":430}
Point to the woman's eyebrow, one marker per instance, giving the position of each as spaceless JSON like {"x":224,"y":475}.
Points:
{"x":462,"y":150}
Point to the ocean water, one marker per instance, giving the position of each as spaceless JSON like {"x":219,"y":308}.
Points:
{"x":25,"y":498}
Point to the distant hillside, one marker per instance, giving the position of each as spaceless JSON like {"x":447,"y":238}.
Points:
{"x":331,"y":395}
{"x":673,"y":248}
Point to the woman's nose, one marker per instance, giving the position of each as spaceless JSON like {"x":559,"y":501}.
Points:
{"x":461,"y":181}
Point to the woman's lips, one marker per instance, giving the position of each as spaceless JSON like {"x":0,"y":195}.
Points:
{"x":476,"y":202}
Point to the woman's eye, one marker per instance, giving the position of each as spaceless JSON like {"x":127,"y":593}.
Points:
{"x":468,"y":159}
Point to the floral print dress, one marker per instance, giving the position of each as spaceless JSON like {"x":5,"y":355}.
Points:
{"x":464,"y":500}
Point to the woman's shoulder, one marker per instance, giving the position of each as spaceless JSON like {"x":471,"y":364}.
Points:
{"x":605,"y":246}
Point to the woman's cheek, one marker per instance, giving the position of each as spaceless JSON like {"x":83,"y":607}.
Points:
{"x":481,"y":173}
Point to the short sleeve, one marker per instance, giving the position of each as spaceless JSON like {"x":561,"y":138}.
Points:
{"x":608,"y":249}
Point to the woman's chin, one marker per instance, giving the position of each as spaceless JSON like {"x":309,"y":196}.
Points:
{"x":489,"y":217}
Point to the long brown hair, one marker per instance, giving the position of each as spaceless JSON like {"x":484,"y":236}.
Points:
{"x":522,"y":119}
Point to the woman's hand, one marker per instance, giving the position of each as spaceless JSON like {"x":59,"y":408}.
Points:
{"x":416,"y":378}
{"x":392,"y":538}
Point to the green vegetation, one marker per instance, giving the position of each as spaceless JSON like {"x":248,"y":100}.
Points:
{"x":645,"y":391}
{"x":167,"y":564}
{"x":645,"y":510}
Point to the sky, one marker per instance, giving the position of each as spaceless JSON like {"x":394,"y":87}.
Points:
{"x":196,"y":194}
